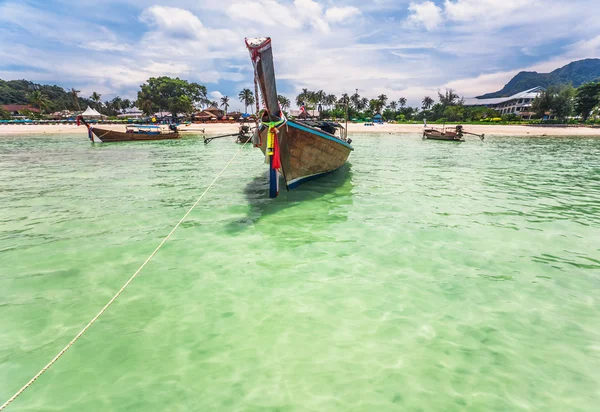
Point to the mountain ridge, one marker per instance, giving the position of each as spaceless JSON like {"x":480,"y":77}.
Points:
{"x":576,"y":73}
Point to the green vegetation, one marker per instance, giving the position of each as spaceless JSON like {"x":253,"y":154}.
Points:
{"x":587,"y":98}
{"x":225,"y":103}
{"x":4,"y":114}
{"x":575,"y":73}
{"x":168,"y":94}
{"x":247,"y":97}
{"x":284,"y":102}
{"x":557,"y":100}
{"x":55,"y":98}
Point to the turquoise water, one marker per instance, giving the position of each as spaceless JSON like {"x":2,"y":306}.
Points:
{"x":424,"y":276}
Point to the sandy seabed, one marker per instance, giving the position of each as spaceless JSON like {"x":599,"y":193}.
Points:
{"x":223,"y":128}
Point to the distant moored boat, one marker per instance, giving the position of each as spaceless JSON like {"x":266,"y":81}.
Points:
{"x":132,"y":133}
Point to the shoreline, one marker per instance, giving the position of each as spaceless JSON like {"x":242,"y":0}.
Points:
{"x":224,"y":128}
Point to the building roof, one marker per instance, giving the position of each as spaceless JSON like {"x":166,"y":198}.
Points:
{"x":526,"y":94}
{"x":19,"y":107}
{"x":91,"y":112}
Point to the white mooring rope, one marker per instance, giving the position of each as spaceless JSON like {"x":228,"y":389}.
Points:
{"x":45,"y":368}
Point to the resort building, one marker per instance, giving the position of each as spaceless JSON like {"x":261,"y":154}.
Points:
{"x":14,"y":109}
{"x":131,"y":113}
{"x":519,"y":104}
{"x":215,"y":111}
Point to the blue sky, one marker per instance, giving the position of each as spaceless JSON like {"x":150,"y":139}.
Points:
{"x":396,"y":47}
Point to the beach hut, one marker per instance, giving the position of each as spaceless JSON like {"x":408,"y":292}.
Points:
{"x":378,"y":118}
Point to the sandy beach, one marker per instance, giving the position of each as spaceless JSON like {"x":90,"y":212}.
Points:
{"x":223,"y":128}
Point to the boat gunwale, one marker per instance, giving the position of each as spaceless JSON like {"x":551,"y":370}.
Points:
{"x":319,"y":133}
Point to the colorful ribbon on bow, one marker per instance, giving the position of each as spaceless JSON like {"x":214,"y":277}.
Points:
{"x":273,"y":143}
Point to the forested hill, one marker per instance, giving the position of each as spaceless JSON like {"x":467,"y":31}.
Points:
{"x":18,"y":92}
{"x":575,"y":73}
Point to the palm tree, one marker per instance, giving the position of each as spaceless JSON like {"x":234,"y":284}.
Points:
{"x":402,"y":102}
{"x":247,"y":97}
{"x":225,"y":103}
{"x":96,"y":98}
{"x":355,"y":99}
{"x":284,"y":102}
{"x":427,"y":102}
{"x":364,"y":103}
{"x":383,"y":99}
{"x":303,"y":97}
{"x":38,"y":99}
{"x":344,"y":99}
{"x":331,"y":100}
{"x":75,"y":95}
{"x":213,"y":103}
{"x":393,"y":106}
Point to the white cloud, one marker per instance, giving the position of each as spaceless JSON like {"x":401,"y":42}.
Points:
{"x":202,"y":41}
{"x":216,"y":95}
{"x":488,"y":10}
{"x":176,"y":22}
{"x":426,"y":14}
{"x":341,"y":14}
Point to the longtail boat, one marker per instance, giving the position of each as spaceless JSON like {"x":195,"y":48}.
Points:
{"x":298,"y":151}
{"x":447,"y":134}
{"x":132,"y":132}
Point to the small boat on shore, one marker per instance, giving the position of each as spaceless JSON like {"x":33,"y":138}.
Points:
{"x":132,"y":132}
{"x":448,"y":134}
{"x":297,"y":150}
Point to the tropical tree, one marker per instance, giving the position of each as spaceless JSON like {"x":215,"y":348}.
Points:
{"x":449,"y":98}
{"x":247,"y":97}
{"x":563,"y":102}
{"x":95,"y":97}
{"x":126,"y":104}
{"x":75,"y":95}
{"x":303,"y":97}
{"x":402,"y":102}
{"x":225,"y":103}
{"x":427,"y":103}
{"x":284,"y":102}
{"x":364,"y":103}
{"x":393,"y":106}
{"x":4,"y":114}
{"x":213,"y":103}
{"x":330,"y":100}
{"x":172,"y":94}
{"x":144,"y":102}
{"x":116,"y":104}
{"x":344,"y":100}
{"x":588,"y":97}
{"x":558,"y":100}
{"x":383,"y":99}
{"x":356,"y":101}
{"x":38,"y":99}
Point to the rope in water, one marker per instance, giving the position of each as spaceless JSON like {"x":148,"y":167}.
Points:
{"x":62,"y":352}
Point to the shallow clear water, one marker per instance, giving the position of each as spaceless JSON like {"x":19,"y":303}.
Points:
{"x":424,"y":276}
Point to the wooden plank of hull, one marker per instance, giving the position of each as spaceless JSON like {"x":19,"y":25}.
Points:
{"x":114,"y":136}
{"x":306,"y":155}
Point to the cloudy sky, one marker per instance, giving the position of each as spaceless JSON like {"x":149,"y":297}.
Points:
{"x":396,"y":47}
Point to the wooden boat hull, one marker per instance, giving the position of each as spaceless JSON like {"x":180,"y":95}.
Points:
{"x":114,"y":136}
{"x":307,"y":153}
{"x":433,"y":134}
